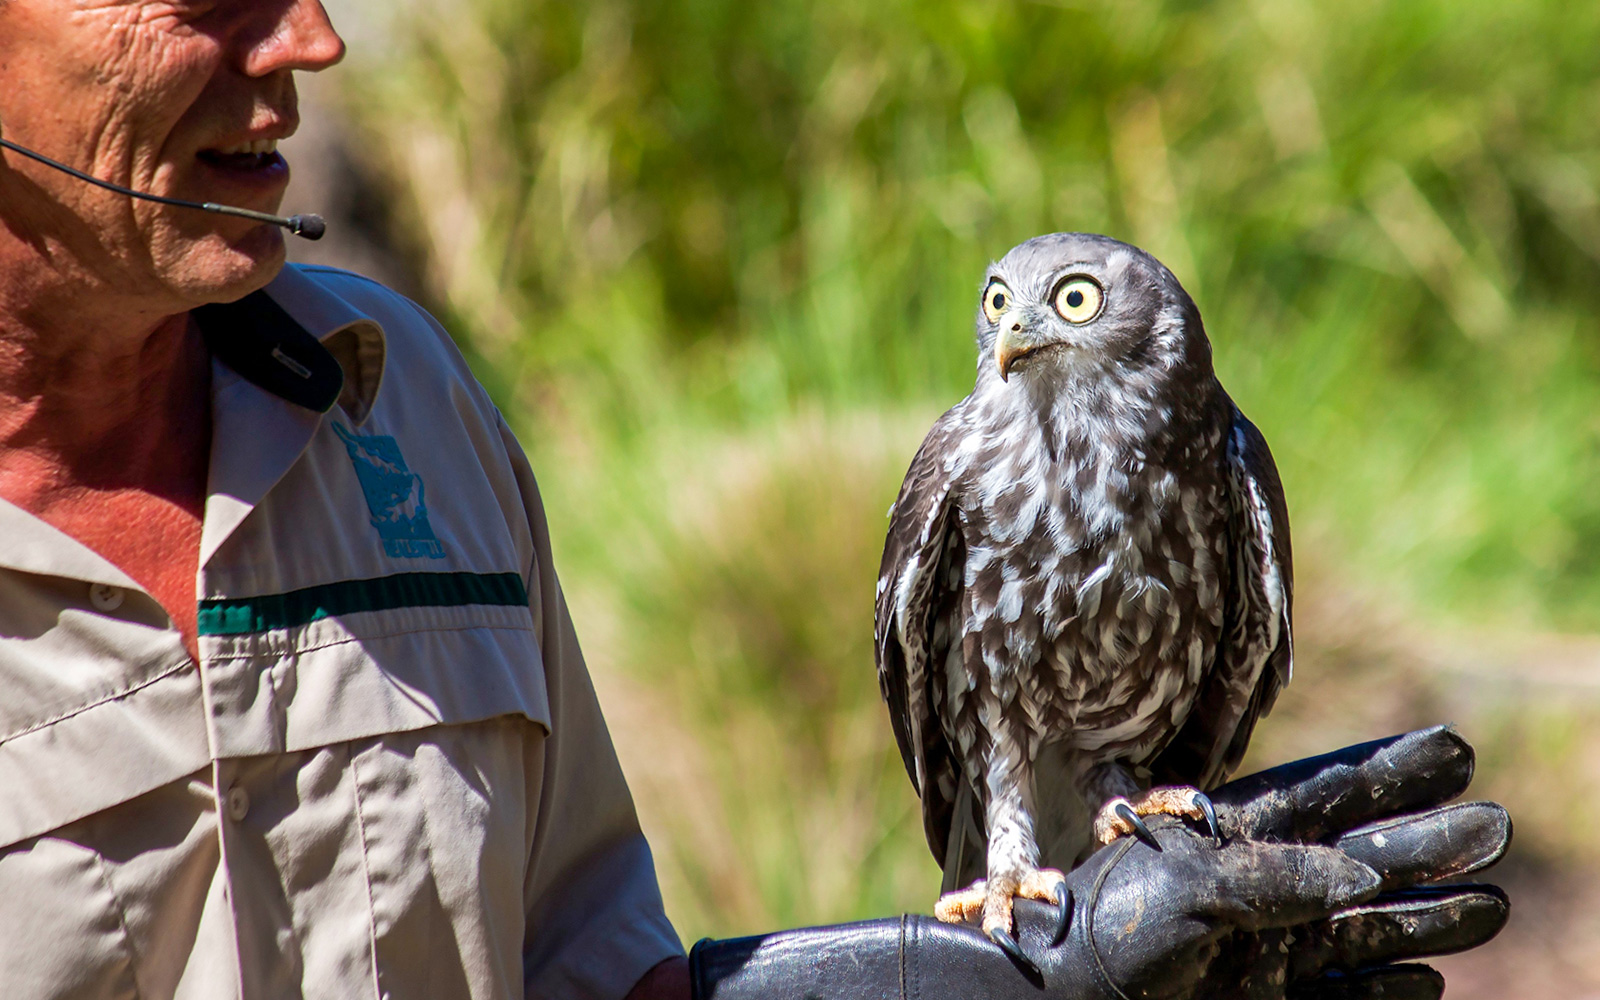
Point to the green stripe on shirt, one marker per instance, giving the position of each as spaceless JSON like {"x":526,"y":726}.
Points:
{"x":243,"y":615}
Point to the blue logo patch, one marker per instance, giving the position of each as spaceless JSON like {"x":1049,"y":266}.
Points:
{"x":394,"y":495}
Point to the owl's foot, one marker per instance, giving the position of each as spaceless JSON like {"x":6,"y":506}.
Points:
{"x":989,"y":901}
{"x":1120,"y":816}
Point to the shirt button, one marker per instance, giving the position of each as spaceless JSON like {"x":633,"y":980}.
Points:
{"x":238,"y":803}
{"x":105,"y":597}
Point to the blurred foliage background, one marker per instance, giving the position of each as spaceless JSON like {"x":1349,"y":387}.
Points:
{"x":718,"y":261}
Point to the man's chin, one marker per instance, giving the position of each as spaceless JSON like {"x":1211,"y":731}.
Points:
{"x":220,"y":267}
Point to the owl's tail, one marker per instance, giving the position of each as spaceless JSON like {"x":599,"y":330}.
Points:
{"x":966,"y":854}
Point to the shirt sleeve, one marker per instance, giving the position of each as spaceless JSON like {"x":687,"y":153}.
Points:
{"x":595,"y":921}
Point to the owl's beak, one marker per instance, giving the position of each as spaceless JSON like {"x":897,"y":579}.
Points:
{"x":1011,"y":341}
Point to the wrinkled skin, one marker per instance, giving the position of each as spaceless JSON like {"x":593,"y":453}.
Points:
{"x":131,"y":91}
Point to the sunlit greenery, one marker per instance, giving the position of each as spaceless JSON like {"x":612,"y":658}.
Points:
{"x":719,"y":262}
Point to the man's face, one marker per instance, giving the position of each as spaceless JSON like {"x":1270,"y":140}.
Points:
{"x":183,"y":98}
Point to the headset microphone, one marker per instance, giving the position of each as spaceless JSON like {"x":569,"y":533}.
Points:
{"x":307,"y":226}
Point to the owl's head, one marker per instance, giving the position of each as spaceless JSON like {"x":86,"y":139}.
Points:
{"x":1068,"y":302}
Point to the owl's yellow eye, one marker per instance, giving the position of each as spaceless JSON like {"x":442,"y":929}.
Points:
{"x":996,"y":300}
{"x":1078,"y":299}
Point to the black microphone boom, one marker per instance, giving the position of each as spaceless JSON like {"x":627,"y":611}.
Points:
{"x":307,"y":226}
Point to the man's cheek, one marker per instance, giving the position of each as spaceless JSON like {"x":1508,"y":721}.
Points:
{"x":146,"y":61}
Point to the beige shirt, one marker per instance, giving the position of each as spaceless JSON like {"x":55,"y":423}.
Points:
{"x":388,"y":776}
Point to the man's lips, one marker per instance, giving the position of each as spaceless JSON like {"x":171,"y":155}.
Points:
{"x":241,"y":161}
{"x":247,"y":156}
{"x":248,"y":170}
{"x":258,"y":154}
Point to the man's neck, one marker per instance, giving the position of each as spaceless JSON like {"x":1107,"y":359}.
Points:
{"x":108,"y":440}
{"x":80,"y":351}
{"x":101,"y":410}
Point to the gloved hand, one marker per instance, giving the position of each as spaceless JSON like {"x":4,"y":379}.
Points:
{"x":1318,"y":888}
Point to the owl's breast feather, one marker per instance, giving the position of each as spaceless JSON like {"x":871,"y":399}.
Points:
{"x":1093,"y":587}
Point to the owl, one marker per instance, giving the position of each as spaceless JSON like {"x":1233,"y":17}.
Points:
{"x":1084,"y":602}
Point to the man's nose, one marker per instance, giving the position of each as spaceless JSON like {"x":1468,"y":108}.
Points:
{"x":291,"y":34}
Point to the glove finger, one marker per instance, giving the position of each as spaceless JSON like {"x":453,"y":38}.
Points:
{"x":1253,"y":886}
{"x":1386,"y":982}
{"x":1399,"y":926}
{"x":1449,"y":841}
{"x":1312,"y":798}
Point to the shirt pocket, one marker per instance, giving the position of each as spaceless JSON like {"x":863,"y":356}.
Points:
{"x":63,"y":936}
{"x":124,"y":904}
{"x":370,"y":673}
{"x":99,"y":708}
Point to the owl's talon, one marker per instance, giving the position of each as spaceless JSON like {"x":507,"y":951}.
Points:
{"x":1120,"y":816}
{"x":1063,"y":916}
{"x":1008,"y":944}
{"x":1125,"y":813}
{"x":1049,"y":886}
{"x":1206,"y":807}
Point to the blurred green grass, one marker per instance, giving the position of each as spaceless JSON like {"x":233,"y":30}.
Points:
{"x":718,"y":262}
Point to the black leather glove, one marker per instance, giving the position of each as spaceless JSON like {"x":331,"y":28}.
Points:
{"x":1318,"y":889}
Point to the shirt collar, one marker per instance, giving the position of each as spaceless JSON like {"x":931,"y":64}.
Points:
{"x":34,"y":546}
{"x":300,"y":342}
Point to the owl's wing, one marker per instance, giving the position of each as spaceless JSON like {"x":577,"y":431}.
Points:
{"x":1255,"y":658}
{"x":915,"y":623}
